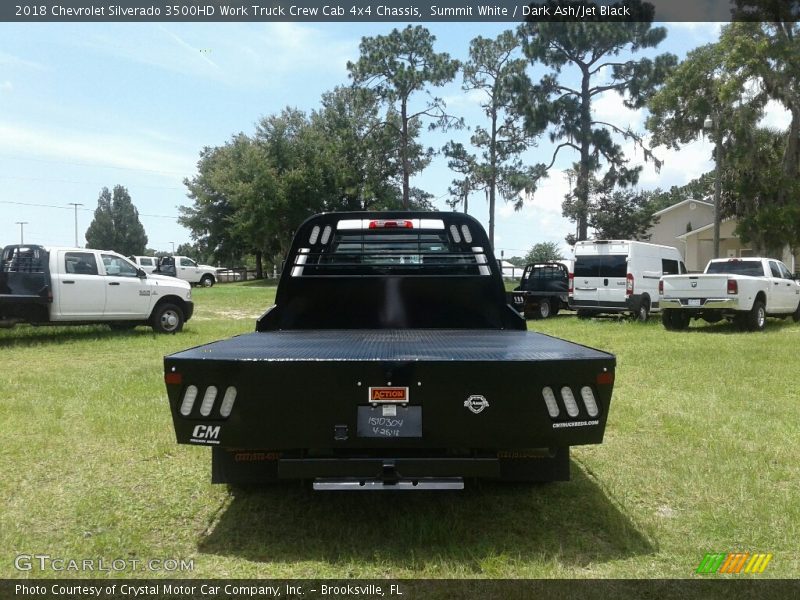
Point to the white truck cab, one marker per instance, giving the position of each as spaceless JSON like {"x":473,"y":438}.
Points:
{"x":620,"y":276}
{"x":187,"y":269}
{"x":50,"y":285}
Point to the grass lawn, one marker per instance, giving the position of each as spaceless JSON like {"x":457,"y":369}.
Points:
{"x":702,"y":454}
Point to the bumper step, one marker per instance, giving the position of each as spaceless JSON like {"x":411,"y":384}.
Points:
{"x":423,"y":483}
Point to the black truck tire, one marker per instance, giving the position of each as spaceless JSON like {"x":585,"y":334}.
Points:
{"x":757,"y":317}
{"x":643,"y":310}
{"x":544,"y":309}
{"x":796,"y":314}
{"x":554,"y":307}
{"x":667,"y":316}
{"x":167,"y":318}
{"x":207,"y":280}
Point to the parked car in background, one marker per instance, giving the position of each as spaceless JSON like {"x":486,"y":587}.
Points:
{"x":620,"y":276}
{"x":79,"y":286}
{"x":187,"y":269}
{"x":543,"y":289}
{"x":147,"y":264}
{"x":743,"y":290}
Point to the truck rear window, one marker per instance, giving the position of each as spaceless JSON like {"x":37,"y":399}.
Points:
{"x":737,"y":267}
{"x":391,"y":252}
{"x":607,"y":265}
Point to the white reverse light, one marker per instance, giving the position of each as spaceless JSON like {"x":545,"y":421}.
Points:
{"x":550,"y":400}
{"x":227,"y":402}
{"x":188,"y":400}
{"x":589,"y":401}
{"x":569,"y":401}
{"x":208,"y":400}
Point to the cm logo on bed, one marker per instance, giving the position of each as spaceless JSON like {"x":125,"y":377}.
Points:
{"x":206,"y":434}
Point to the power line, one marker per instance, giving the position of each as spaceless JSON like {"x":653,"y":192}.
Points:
{"x":81,"y":209}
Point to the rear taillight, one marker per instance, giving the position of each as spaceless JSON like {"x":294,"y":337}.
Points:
{"x":571,"y":289}
{"x":629,"y":284}
{"x":733,"y":286}
{"x":660,"y":287}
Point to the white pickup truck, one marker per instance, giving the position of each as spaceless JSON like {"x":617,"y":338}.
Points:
{"x":78,"y":286}
{"x":187,"y":269}
{"x":744,"y":290}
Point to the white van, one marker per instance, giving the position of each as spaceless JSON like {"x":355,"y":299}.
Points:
{"x":620,"y":276}
{"x":147,"y":264}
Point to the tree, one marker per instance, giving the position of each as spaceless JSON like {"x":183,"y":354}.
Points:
{"x":360,"y":151}
{"x":543,"y":252}
{"x":764,"y":180}
{"x":396,"y":66}
{"x":116,"y":224}
{"x":490,"y":68}
{"x":622,"y":215}
{"x":592,"y":48}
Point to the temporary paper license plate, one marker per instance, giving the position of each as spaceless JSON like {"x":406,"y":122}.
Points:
{"x":389,"y":422}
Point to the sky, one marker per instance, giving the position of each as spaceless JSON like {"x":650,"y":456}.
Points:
{"x":88,"y":105}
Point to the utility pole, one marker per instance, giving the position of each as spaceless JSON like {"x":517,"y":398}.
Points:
{"x":173,"y":247}
{"x":76,"y":205}
{"x":21,"y":231}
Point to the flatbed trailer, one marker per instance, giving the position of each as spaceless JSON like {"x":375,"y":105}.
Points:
{"x":335,"y":390}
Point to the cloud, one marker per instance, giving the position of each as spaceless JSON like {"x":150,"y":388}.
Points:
{"x":6,"y":86}
{"x":248,"y":55}
{"x":776,"y":116}
{"x":98,"y":149}
{"x":608,"y":107}
{"x":9,"y":60}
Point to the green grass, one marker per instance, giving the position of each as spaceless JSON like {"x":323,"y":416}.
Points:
{"x":702,"y":454}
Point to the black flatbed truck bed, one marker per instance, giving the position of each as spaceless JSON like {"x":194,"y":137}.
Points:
{"x":471,"y":403}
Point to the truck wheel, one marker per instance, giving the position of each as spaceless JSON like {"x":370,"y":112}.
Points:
{"x":643,"y":312}
{"x":667,"y":319}
{"x":796,"y":314}
{"x":757,"y":317}
{"x":544,"y":308}
{"x":167,"y":318}
{"x":680,"y":320}
{"x":207,"y":281}
{"x":554,"y":307}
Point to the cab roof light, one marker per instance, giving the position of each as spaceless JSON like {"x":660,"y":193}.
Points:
{"x":391,"y":224}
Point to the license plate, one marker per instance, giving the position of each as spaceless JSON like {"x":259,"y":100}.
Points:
{"x":376,"y":422}
{"x":694,"y":302}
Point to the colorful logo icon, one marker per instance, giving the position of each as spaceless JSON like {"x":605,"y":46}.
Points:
{"x":734,"y":562}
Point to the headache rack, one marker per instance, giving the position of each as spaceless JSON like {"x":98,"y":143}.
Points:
{"x":25,"y":273}
{"x":376,"y":270}
{"x":380,"y":247}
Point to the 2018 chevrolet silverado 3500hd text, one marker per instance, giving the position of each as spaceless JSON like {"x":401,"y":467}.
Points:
{"x":390,"y":360}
